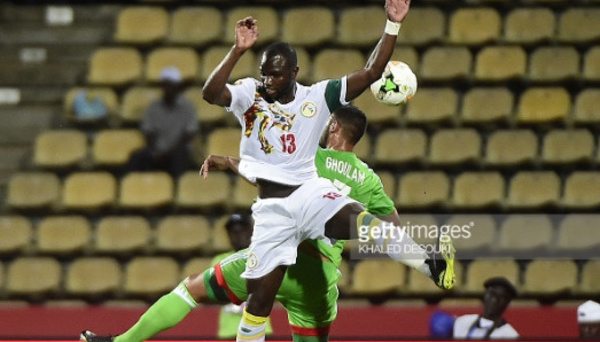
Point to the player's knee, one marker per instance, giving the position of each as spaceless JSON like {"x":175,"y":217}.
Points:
{"x":195,"y":286}
{"x":339,"y":225}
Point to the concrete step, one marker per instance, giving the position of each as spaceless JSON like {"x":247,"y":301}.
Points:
{"x":13,"y":157}
{"x":21,"y":11}
{"x":51,"y":53}
{"x":20,"y":125}
{"x":42,"y":74}
{"x":43,"y":95}
{"x":41,"y":34}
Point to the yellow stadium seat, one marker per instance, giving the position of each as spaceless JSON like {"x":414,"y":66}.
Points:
{"x":388,"y":180}
{"x":33,"y":190}
{"x":455,"y":146}
{"x":511,"y":147}
{"x":142,"y":25}
{"x":478,"y":190}
{"x":373,"y":277}
{"x":582,"y":190}
{"x":224,"y":142}
{"x":363,"y":149}
{"x":360,"y":26}
{"x":553,"y":64}
{"x":550,"y":277}
{"x":15,"y":234}
{"x":577,"y":233}
{"x":424,"y":25}
{"x":244,"y":194}
{"x":196,"y":26}
{"x":534,"y":189}
{"x":146,"y":190}
{"x":335,"y":63}
{"x":63,"y":235}
{"x":193,"y":191}
{"x":106,"y":94}
{"x":183,"y":234}
{"x":579,"y":25}
{"x":33,"y":277}
{"x":220,"y":238}
{"x":408,"y":55}
{"x":89,"y":191}
{"x":500,"y":63}
{"x":543,"y":105}
{"x":529,"y":25}
{"x":474,"y":26}
{"x":376,"y":112}
{"x":590,"y":278}
{"x":60,"y":149}
{"x":396,"y":146}
{"x":586,"y":106}
{"x":524,"y":233}
{"x":305,"y":66}
{"x":121,"y":235}
{"x":443,"y":63}
{"x":267,"y":18}
{"x":308,"y":26}
{"x":207,"y":113}
{"x":135,"y":102}
{"x":432,"y":106}
{"x":93,"y":276}
{"x":113,"y":147}
{"x":478,"y":233}
{"x":245,"y":67}
{"x":423,"y":189}
{"x":183,"y":58}
{"x":483,"y":269}
{"x":591,"y":64}
{"x":104,"y":70}
{"x":150,"y":276}
{"x":568,"y":146}
{"x":195,"y":266}
{"x":487,"y":105}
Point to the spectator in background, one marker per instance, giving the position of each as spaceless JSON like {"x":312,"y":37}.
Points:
{"x":168,"y":125}
{"x":490,"y":325}
{"x":588,"y":319}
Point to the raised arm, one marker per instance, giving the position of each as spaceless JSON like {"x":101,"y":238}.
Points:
{"x":360,"y":80}
{"x":214,"y":162}
{"x":215,"y":90}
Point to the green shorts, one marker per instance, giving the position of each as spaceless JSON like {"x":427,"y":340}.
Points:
{"x":309,"y":290}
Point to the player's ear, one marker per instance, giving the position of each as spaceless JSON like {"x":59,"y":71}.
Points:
{"x":295,"y":72}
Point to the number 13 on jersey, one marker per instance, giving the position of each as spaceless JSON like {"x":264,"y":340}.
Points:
{"x":288,"y":143}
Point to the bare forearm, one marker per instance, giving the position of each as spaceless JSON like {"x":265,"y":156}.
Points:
{"x":214,"y":90}
{"x":234,"y":164}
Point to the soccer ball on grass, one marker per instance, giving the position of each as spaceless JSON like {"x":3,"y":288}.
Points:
{"x":397,"y":85}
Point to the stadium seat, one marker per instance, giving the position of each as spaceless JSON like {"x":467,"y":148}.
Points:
{"x":591,"y":64}
{"x":33,"y":191}
{"x":141,"y":25}
{"x":33,"y":277}
{"x":208,"y":114}
{"x":424,"y":25}
{"x":550,"y":277}
{"x":377,"y":113}
{"x":408,"y":55}
{"x":150,"y":276}
{"x":268,"y":22}
{"x":305,"y":66}
{"x":388,"y":180}
{"x":476,"y":190}
{"x":524,"y":233}
{"x":183,"y":58}
{"x":373,"y":277}
{"x":93,"y":276}
{"x":579,"y":25}
{"x":363,"y":149}
{"x":220,"y":239}
{"x":106,"y":94}
{"x":577,"y":233}
{"x":481,"y":270}
{"x":511,"y":147}
{"x":500,"y":63}
{"x":533,"y":189}
{"x":568,"y":146}
{"x":432,"y":106}
{"x":582,"y":190}
{"x":195,"y":266}
{"x":196,"y":26}
{"x":455,"y":146}
{"x":308,"y":26}
{"x":360,"y":26}
{"x":478,"y":233}
{"x":89,"y":191}
{"x":193,"y":191}
{"x":473,"y":26}
{"x":396,"y":146}
{"x":491,"y":105}
{"x":113,"y":147}
{"x":146,"y":190}
{"x":135,"y":102}
{"x":529,"y":25}
{"x":245,"y":67}
{"x":2,"y":277}
{"x":443,"y":63}
{"x":553,"y":64}
{"x":121,"y":235}
{"x":590,"y":278}
{"x":224,"y":142}
{"x":15,"y":234}
{"x":586,"y":107}
{"x":244,"y":194}
{"x":64,"y":148}
{"x":335,"y":63}
{"x":182,"y":234}
{"x":63,"y":235}
{"x":104,"y":71}
{"x":423,"y":189}
{"x":539,"y":105}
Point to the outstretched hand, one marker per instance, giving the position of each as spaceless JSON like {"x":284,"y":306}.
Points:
{"x":397,"y":9}
{"x":213,"y":163}
{"x":246,"y":33}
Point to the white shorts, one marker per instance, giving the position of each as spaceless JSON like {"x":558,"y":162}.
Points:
{"x":280,"y":224}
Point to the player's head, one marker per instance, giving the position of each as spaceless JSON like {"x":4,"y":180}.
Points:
{"x":498,"y":294}
{"x":347,"y":121}
{"x":278,"y":71}
{"x":588,"y":319}
{"x":239,"y":229}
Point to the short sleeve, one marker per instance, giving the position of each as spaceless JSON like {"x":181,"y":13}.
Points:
{"x":242,"y":96}
{"x":335,"y":93}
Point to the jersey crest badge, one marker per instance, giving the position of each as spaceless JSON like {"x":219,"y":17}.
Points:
{"x":308,"y":109}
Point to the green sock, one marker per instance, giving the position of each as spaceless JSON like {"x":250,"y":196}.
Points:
{"x":302,"y":338}
{"x":169,"y":310}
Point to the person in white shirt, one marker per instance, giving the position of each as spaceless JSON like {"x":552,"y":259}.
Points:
{"x":588,"y":319}
{"x":489,"y":325}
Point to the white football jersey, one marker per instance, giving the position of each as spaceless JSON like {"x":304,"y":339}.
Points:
{"x":279,"y":141}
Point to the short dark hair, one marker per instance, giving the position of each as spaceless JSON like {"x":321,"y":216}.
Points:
{"x":503,"y":282}
{"x":283,"y":49}
{"x":353,"y":122}
{"x":241,"y":219}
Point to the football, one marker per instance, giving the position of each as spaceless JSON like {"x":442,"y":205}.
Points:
{"x":397,"y":85}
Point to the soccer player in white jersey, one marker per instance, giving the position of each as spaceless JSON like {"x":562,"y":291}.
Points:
{"x":282,"y":121}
